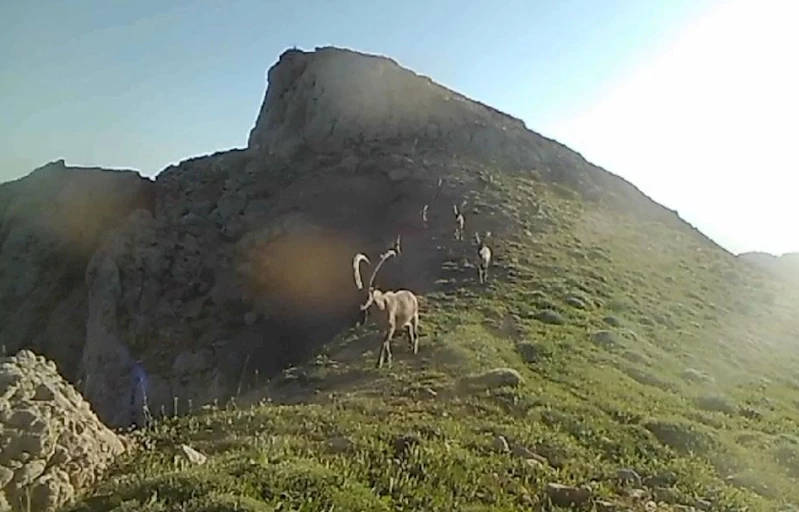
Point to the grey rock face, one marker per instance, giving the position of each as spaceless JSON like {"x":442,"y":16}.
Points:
{"x":50,"y":224}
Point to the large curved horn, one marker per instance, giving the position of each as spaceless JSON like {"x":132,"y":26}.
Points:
{"x":397,"y":245}
{"x":356,"y":262}
{"x":389,"y":253}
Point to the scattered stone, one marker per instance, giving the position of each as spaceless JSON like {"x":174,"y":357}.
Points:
{"x":566,"y":496}
{"x":650,"y":506}
{"x":536,"y":464}
{"x":576,"y":302}
{"x":339,"y":444}
{"x":54,"y":446}
{"x":697,"y":376}
{"x":491,"y":379}
{"x":501,"y":444}
{"x":637,"y":494}
{"x":193,"y":455}
{"x":647,"y":378}
{"x":612,"y":321}
{"x":682,"y":437}
{"x":716,"y":403}
{"x":703,"y":504}
{"x":532,"y":352}
{"x":662,"y":479}
{"x":605,"y":338}
{"x":549,"y":316}
{"x":626,"y":475}
{"x":605,"y":506}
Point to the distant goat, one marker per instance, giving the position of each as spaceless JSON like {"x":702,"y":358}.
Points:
{"x":483,"y":257}
{"x":426,"y":207}
{"x":459,"y":220}
{"x":393,"y":309}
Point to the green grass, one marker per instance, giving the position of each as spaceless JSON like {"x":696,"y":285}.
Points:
{"x":693,"y":385}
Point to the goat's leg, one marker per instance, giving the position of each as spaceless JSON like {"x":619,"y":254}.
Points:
{"x":415,"y":329}
{"x":409,"y":330}
{"x":382,"y":354}
{"x":385,"y":350}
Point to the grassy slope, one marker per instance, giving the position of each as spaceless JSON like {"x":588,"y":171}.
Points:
{"x":693,"y":386}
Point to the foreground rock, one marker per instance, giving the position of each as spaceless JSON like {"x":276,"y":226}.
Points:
{"x":490,"y":379}
{"x":51,"y":443}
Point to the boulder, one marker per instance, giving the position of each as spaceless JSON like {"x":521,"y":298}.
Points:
{"x":53,"y":445}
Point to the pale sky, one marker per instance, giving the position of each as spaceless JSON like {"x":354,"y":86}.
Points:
{"x":708,"y":125}
{"x":693,"y":101}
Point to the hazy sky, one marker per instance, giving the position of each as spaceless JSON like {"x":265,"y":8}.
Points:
{"x":694,"y":101}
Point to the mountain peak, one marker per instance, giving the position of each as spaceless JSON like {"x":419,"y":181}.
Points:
{"x":333,"y":97}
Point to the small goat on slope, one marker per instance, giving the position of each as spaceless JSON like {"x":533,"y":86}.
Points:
{"x":483,"y":257}
{"x":426,"y":207}
{"x":394,"y":309}
{"x":459,"y":221}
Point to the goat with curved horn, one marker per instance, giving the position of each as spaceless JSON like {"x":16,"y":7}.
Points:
{"x":394,"y":309}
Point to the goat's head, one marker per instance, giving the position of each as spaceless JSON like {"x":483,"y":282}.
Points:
{"x":481,"y":242}
{"x":374,"y":295}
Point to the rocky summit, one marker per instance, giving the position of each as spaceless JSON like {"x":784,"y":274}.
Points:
{"x":615,"y":358}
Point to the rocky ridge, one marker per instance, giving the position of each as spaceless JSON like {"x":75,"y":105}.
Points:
{"x":231,"y":266}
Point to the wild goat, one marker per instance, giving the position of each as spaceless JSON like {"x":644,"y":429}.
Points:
{"x":396,"y":246}
{"x":459,"y":221}
{"x":483,"y":257}
{"x":427,"y":206}
{"x":394,"y":309}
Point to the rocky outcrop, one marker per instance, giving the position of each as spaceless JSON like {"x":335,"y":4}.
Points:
{"x":785,"y":266}
{"x":169,"y":294}
{"x":51,"y":443}
{"x":51,"y":222}
{"x":334,"y":98}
